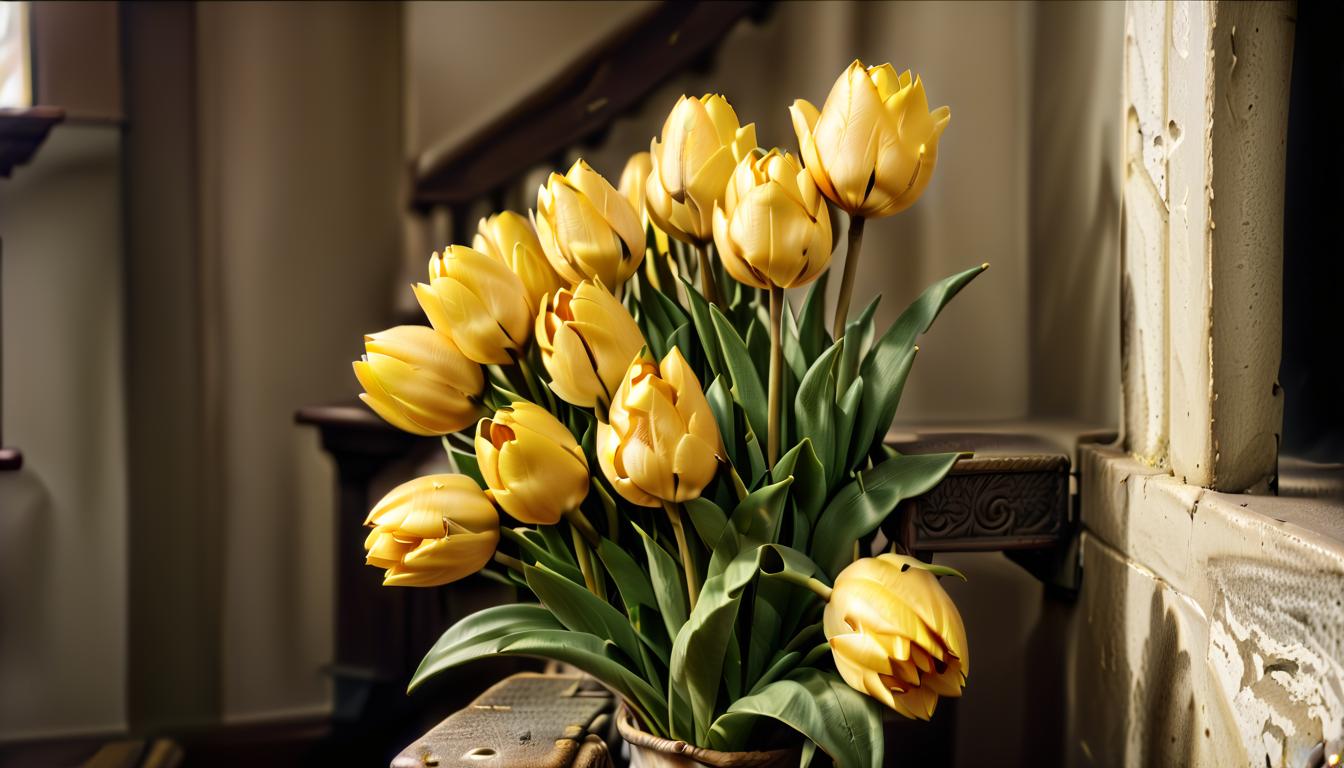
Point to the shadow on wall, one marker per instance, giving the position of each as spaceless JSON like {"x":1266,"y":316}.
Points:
{"x":26,"y":533}
{"x":64,"y":515}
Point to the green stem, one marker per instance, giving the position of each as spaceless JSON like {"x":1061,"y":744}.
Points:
{"x":776,"y":372}
{"x":512,"y":563}
{"x":851,"y":268}
{"x":708,"y":285}
{"x":794,"y":577}
{"x":684,"y":548}
{"x":529,"y":378}
{"x":585,"y":558}
{"x":580,"y":523}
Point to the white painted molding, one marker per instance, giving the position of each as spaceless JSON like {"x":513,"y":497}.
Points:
{"x":1206,"y":93}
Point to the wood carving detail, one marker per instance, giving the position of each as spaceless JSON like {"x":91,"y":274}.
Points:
{"x":994,"y":503}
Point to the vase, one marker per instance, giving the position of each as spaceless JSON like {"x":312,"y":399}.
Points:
{"x":649,"y":751}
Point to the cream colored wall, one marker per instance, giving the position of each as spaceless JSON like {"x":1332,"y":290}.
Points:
{"x":63,"y":516}
{"x":300,"y":108}
{"x":980,"y":361}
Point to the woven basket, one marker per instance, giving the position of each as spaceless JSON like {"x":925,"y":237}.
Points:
{"x":649,"y":751}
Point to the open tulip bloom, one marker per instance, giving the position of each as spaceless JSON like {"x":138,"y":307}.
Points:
{"x":683,"y":481}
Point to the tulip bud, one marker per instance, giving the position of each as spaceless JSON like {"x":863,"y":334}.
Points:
{"x":587,"y":340}
{"x":896,"y":635}
{"x":587,"y":228}
{"x":418,"y":380}
{"x":510,"y":238}
{"x":479,"y":302}
{"x":873,"y":146}
{"x":431,"y":531}
{"x":701,"y":144}
{"x":534,"y":467}
{"x":660,"y":442}
{"x":633,"y":183}
{"x":772,"y":228}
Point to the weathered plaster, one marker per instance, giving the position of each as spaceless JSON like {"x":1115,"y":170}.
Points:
{"x":1253,"y":50}
{"x":1206,"y":89}
{"x":1143,"y":306}
{"x":1210,"y":626}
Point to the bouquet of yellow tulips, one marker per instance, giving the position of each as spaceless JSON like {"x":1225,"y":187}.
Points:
{"x":680,"y":467}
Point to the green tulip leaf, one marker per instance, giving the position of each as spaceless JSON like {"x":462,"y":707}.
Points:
{"x":707,"y":519}
{"x":581,"y":611}
{"x":698,"y":654}
{"x":668,"y":588}
{"x":845,"y":724}
{"x":637,"y":594}
{"x":863,"y":504}
{"x":757,"y":516}
{"x":531,"y":545}
{"x":845,"y":412}
{"x":793,"y":347}
{"x":746,"y":383}
{"x":721,"y":405}
{"x":858,"y":338}
{"x":813,"y":410}
{"x":704,"y":329}
{"x":813,"y":335}
{"x":758,"y":347}
{"x":882,"y":367}
{"x":464,"y":463}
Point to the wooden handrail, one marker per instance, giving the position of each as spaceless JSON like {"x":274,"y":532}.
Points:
{"x":580,"y":102}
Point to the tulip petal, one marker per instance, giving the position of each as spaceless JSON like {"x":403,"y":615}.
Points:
{"x":608,"y":444}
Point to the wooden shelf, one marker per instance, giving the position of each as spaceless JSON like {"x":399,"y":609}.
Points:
{"x":22,"y":131}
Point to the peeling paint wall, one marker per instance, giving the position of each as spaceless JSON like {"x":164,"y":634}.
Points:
{"x":1210,"y":627}
{"x":1206,"y":98}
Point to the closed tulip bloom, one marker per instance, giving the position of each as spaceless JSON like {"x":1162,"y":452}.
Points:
{"x":660,"y":442}
{"x":511,"y":239}
{"x":587,"y":228}
{"x":633,"y":183}
{"x":431,"y":531}
{"x":533,"y":466}
{"x":772,"y":228}
{"x":419,"y":381}
{"x":896,"y":635}
{"x":587,"y":340}
{"x":873,"y":145}
{"x":702,"y":142}
{"x":479,"y":302}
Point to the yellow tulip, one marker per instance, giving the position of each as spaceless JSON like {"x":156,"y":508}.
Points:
{"x":702,"y":142}
{"x":587,"y":340}
{"x":431,"y":531}
{"x":418,"y":380}
{"x":873,"y":145}
{"x":633,"y":183}
{"x":479,"y":302}
{"x":511,"y":239}
{"x":896,"y":635}
{"x":660,"y":442}
{"x":587,"y":229}
{"x":533,"y":466}
{"x":772,"y":228}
